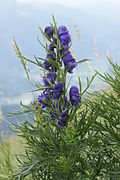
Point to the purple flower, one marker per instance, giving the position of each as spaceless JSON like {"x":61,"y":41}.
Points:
{"x":49,"y":31}
{"x":67,"y":57}
{"x":62,"y":29}
{"x":46,"y":65}
{"x":51,"y":47}
{"x":51,"y":56}
{"x":50,"y":77}
{"x":75,"y":97}
{"x":69,"y":62}
{"x":64,"y":51}
{"x":64,"y":36}
{"x":43,"y":98}
{"x":58,"y":90}
{"x":65,"y":39}
{"x":63,"y":118}
{"x":71,"y":65}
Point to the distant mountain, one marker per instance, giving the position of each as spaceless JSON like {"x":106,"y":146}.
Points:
{"x":8,"y":121}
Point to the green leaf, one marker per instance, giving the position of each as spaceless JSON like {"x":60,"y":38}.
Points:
{"x":82,"y":61}
{"x":80,"y":85}
{"x":89,"y":82}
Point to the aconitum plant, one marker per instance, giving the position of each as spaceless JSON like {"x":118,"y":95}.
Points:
{"x":67,"y":138}
{"x":54,"y":95}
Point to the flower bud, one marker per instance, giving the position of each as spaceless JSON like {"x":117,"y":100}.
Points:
{"x":75,"y":98}
{"x":49,"y":31}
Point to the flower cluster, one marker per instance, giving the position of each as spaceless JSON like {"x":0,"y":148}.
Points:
{"x":58,"y":56}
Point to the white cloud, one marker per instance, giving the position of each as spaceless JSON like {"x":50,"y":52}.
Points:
{"x":71,"y":3}
{"x":25,"y":98}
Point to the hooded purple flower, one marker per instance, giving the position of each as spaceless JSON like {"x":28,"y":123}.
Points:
{"x":62,"y":29}
{"x":69,"y":62}
{"x":63,"y":118}
{"x":75,"y":97}
{"x":64,"y":51}
{"x":65,"y":39}
{"x":49,"y":31}
{"x":46,"y":64}
{"x":51,"y":56}
{"x":50,"y":77}
{"x":57,"y":90}
{"x":51,"y":47}
{"x":42,"y":98}
{"x":64,"y":36}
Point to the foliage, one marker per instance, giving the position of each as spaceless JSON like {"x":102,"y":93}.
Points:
{"x":8,"y":161}
{"x":107,"y":127}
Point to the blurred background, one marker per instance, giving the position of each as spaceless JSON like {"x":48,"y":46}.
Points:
{"x":95,"y":29}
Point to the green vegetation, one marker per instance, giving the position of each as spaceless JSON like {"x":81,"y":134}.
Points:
{"x":75,"y":137}
{"x":100,"y":158}
{"x":8,"y":151}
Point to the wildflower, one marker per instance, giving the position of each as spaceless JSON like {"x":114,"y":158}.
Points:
{"x":49,"y":31}
{"x":51,"y":47}
{"x":43,"y":99}
{"x":64,"y":36}
{"x":75,"y":97}
{"x":62,"y":29}
{"x":69,"y":62}
{"x":58,"y":107}
{"x":64,"y":51}
{"x":51,"y":77}
{"x":51,"y":56}
{"x":63,"y":118}
{"x":65,"y":39}
{"x":46,"y":64}
{"x":58,"y":90}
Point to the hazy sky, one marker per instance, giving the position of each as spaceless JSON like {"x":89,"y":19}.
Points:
{"x":96,"y":19}
{"x":75,"y":3}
